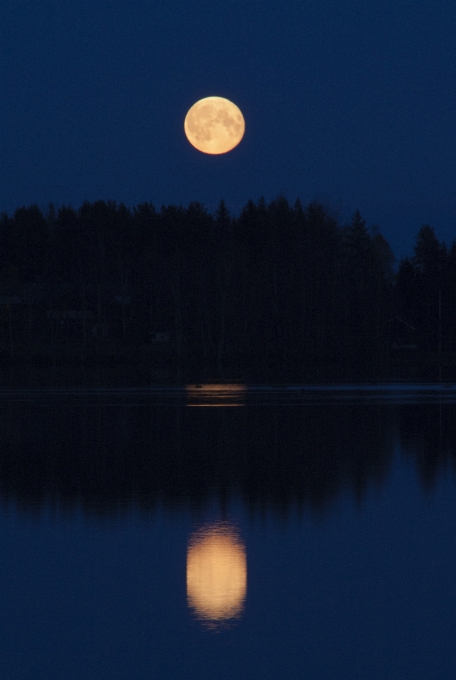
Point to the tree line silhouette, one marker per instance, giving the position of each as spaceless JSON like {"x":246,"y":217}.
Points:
{"x":284,"y":288}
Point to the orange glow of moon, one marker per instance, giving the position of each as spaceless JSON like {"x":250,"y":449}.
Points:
{"x":214,"y":125}
{"x":216,"y":394}
{"x":216,"y":573}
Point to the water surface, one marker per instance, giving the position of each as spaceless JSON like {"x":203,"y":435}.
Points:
{"x":228,"y":532}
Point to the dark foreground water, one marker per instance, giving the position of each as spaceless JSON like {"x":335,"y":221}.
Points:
{"x":227,"y":532}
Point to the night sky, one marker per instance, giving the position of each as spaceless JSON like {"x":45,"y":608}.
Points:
{"x":351,"y":102}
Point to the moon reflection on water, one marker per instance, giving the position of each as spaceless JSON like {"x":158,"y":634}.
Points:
{"x":216,"y":573}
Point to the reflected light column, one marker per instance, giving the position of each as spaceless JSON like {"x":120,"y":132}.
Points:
{"x":216,"y":573}
{"x":216,"y":394}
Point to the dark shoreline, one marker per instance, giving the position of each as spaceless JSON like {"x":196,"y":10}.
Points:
{"x":118,"y":373}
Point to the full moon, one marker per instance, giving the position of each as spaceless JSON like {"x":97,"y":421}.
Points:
{"x":214,"y":125}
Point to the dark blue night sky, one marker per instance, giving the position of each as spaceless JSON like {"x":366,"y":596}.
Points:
{"x":351,"y":102}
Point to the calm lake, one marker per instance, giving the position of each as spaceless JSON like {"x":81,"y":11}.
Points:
{"x":225,"y":531}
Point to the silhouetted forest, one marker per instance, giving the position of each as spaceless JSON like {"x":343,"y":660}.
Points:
{"x":281,"y":290}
